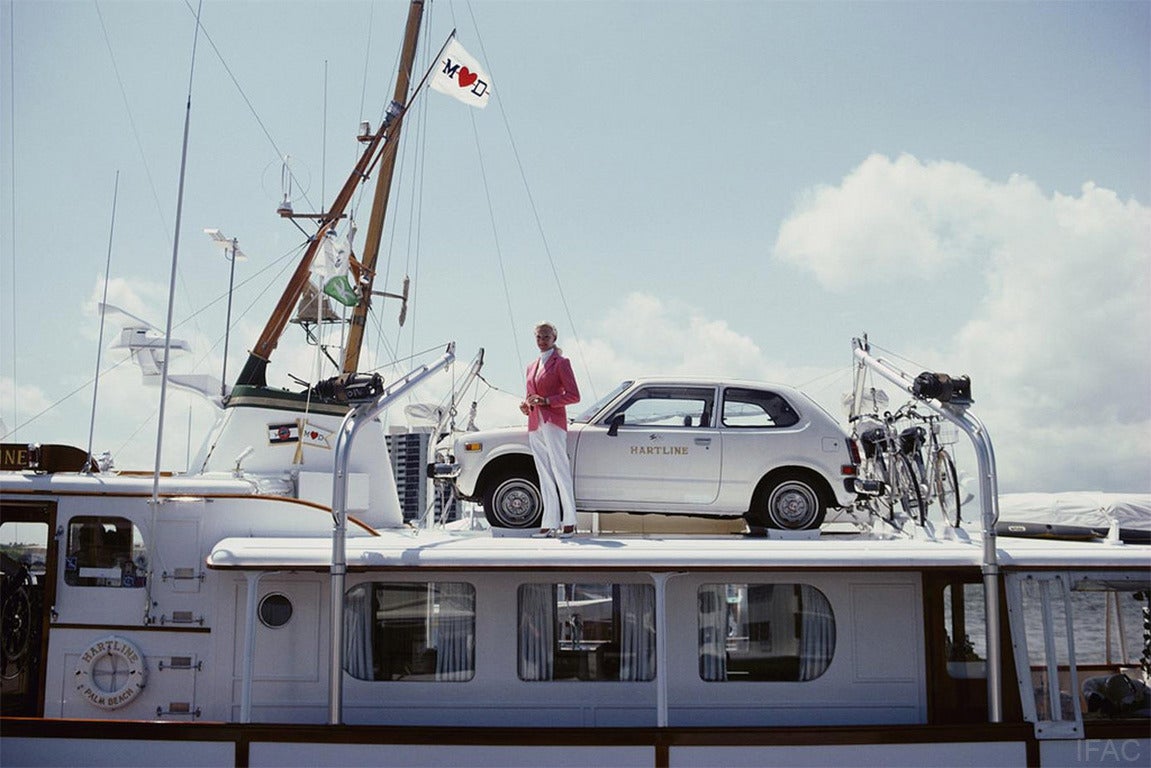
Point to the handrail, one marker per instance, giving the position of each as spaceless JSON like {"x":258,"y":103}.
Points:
{"x":959,"y":414}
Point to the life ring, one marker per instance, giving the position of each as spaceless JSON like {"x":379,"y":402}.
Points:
{"x":126,"y":671}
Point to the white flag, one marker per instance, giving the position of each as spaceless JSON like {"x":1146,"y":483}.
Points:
{"x":458,"y":74}
{"x":330,"y":265}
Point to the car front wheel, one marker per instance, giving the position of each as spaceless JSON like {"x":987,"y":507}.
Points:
{"x":790,"y":503}
{"x":512,"y":500}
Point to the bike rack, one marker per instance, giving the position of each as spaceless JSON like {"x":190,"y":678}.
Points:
{"x":958,"y":413}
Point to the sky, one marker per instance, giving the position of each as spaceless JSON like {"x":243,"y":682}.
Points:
{"x":727,"y":189}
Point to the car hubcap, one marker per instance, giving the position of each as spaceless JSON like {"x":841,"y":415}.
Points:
{"x":792,"y":506}
{"x":517,"y":503}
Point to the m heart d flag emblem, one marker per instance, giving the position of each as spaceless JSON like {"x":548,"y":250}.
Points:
{"x":459,"y":75}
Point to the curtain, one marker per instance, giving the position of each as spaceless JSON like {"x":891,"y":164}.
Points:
{"x":637,"y":632}
{"x":537,"y":631}
{"x":817,"y":639}
{"x":453,"y":635}
{"x":713,"y":632}
{"x":358,"y":632}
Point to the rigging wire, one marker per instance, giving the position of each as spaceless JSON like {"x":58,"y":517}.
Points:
{"x":132,"y":122}
{"x":247,"y":101}
{"x":324,"y":139}
{"x":416,"y":211}
{"x":496,"y":239}
{"x":12,"y":203}
{"x":103,"y":315}
{"x":535,"y":211}
{"x":367,"y":56}
{"x":282,"y":260}
{"x":513,"y":327}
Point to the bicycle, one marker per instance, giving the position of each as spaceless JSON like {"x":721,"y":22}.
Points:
{"x":937,"y":475}
{"x":887,"y":474}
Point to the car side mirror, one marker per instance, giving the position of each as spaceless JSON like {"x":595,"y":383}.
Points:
{"x":613,"y":429}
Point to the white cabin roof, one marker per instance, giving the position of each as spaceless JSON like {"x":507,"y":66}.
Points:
{"x":404,"y":550}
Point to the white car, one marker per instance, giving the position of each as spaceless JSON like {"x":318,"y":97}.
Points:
{"x":766,"y":452}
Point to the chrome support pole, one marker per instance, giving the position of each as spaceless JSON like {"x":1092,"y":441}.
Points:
{"x":959,"y":415}
{"x":359,"y":416}
{"x":661,"y":666}
{"x":253,"y":586}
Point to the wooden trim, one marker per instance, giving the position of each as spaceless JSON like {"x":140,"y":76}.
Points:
{"x":133,"y":627}
{"x":206,"y":496}
{"x":661,"y":738}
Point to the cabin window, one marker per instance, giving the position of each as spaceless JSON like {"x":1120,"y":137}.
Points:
{"x":105,"y":552}
{"x":275,"y":610}
{"x":756,"y":408}
{"x":764,"y":632}
{"x":586,"y":632}
{"x":415,"y":631}
{"x":965,"y":637}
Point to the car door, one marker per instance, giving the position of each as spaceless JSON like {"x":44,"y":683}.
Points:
{"x":657,"y":451}
{"x":761,"y":430}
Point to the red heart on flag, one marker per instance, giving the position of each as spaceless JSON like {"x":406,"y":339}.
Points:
{"x":313,"y":435}
{"x":466,"y":77}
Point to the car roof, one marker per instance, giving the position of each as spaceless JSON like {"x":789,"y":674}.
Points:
{"x":697,"y":381}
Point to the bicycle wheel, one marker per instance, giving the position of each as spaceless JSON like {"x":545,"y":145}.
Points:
{"x":908,"y":490}
{"x":884,"y":503}
{"x":945,"y":484}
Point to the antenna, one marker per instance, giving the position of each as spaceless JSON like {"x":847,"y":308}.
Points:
{"x":285,"y":208}
{"x":232,"y":253}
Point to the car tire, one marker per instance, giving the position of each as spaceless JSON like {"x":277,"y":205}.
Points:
{"x":512,"y":499}
{"x":789,"y":502}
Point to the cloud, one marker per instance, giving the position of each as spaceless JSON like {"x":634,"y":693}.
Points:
{"x":1059,"y":343}
{"x":890,"y":220}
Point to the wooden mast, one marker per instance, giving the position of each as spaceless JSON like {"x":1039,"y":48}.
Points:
{"x":380,"y":201}
{"x":254,"y":372}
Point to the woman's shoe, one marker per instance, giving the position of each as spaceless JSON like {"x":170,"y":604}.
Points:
{"x":568,"y":531}
{"x":545,"y":533}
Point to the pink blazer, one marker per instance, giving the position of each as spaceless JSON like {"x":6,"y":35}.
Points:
{"x":557,"y":383}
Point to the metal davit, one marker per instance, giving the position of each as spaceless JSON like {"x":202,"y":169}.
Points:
{"x":950,"y":397}
{"x":361,"y":414}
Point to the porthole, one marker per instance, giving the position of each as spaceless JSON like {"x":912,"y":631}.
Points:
{"x":275,"y":610}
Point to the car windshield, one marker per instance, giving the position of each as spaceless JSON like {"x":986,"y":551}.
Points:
{"x":589,"y":413}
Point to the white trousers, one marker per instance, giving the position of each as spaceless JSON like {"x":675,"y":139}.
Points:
{"x":549,"y":448}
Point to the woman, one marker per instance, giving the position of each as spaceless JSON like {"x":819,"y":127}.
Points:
{"x":551,"y":387}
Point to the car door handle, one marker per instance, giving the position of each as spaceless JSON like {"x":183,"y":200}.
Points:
{"x":703,"y":441}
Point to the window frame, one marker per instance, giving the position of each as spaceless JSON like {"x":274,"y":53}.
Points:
{"x":109,"y":565}
{"x":744,"y":654}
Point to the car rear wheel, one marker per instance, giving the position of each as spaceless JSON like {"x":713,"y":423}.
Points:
{"x":512,"y":500}
{"x":790,"y":503}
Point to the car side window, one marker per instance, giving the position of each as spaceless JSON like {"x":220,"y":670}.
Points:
{"x":756,"y":408}
{"x":668,"y":407}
